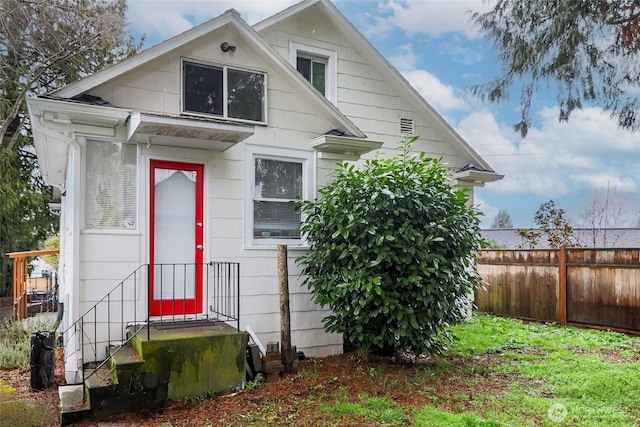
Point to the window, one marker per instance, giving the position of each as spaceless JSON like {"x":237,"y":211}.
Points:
{"x":110,"y":185}
{"x":318,"y":66}
{"x":314,"y":70}
{"x":223,"y":91}
{"x":277,"y":178}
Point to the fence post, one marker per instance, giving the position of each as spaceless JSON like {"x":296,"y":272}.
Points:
{"x":562,"y":290}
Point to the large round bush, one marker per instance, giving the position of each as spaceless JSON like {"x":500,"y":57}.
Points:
{"x":391,"y":252}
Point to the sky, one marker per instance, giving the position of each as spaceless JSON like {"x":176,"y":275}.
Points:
{"x":434,"y":45}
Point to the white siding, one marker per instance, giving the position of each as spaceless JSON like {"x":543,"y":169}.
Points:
{"x":367,"y":94}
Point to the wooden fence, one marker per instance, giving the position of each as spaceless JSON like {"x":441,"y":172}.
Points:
{"x":595,"y":287}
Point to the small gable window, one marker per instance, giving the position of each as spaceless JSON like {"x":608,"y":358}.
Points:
{"x":224,"y":92}
{"x":314,"y":70}
{"x":318,"y":66}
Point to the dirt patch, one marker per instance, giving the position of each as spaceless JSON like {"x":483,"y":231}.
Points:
{"x":302,"y":398}
{"x":20,"y":380}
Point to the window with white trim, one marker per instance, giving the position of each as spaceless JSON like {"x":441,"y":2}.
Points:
{"x":276,"y":179}
{"x":110,"y":184}
{"x":314,"y":70}
{"x":318,"y":66}
{"x":218,"y":90}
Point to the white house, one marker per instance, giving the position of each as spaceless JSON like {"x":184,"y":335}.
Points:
{"x":190,"y":151}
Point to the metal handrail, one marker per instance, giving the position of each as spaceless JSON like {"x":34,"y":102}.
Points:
{"x":221,"y":289}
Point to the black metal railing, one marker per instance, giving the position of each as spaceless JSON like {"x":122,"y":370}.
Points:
{"x":153,"y":294}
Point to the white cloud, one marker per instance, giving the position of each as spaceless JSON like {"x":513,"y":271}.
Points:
{"x":161,"y":19}
{"x":489,"y":212}
{"x":460,"y":51}
{"x":406,"y":60}
{"x":444,"y":98}
{"x":582,"y":156}
{"x":435,"y":17}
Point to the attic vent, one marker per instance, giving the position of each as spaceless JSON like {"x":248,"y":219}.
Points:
{"x":406,"y":126}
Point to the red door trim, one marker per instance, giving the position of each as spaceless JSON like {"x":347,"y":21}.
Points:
{"x":171,"y":307}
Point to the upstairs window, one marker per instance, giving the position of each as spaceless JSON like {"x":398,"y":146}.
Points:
{"x":314,"y":70}
{"x":318,"y":66}
{"x":224,"y":92}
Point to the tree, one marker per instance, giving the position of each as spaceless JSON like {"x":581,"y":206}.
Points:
{"x":25,"y":219}
{"x":553,"y":225}
{"x":502,"y":220}
{"x":391,"y":252}
{"x":44,"y":45}
{"x":599,"y":215}
{"x":588,"y":49}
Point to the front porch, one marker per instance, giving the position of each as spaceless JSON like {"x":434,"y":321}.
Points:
{"x":158,"y":363}
{"x":120,"y":356}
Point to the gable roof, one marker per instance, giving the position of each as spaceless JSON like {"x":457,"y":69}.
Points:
{"x":230,"y":17}
{"x":340,"y":21}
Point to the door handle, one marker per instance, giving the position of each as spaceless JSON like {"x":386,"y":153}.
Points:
{"x":199,"y":247}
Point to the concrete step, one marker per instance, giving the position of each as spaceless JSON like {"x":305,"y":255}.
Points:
{"x":72,"y":403}
{"x":124,"y":357}
{"x":102,"y":377}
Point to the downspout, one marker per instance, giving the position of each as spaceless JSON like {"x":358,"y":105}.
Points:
{"x":73,"y":371}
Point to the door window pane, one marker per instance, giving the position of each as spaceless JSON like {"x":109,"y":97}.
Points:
{"x":174,"y":235}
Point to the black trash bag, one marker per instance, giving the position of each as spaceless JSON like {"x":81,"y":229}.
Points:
{"x":42,"y":360}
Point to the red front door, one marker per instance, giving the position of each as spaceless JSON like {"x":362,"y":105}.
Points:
{"x":177,"y":238}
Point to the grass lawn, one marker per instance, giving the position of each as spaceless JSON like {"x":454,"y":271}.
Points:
{"x":497,"y":372}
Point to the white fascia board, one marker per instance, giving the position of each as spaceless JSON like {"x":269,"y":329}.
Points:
{"x":58,"y":111}
{"x":116,"y":70}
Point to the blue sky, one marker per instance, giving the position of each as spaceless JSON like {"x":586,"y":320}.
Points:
{"x":432,"y":43}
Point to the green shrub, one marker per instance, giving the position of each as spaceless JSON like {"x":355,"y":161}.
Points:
{"x":15,"y":346}
{"x":391,"y":248}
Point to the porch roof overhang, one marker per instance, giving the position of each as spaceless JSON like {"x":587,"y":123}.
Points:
{"x":55,"y":122}
{"x":477,"y":178}
{"x":185,"y":132}
{"x":348,"y":146}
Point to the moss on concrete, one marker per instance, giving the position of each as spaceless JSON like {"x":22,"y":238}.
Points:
{"x":193,"y":365}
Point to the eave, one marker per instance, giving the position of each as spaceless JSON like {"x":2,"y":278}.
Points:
{"x":349,"y":147}
{"x":185,"y":132}
{"x":477,"y":178}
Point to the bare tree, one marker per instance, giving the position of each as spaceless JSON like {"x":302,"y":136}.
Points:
{"x":45,"y":44}
{"x":502,"y":220}
{"x":606,"y":211}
